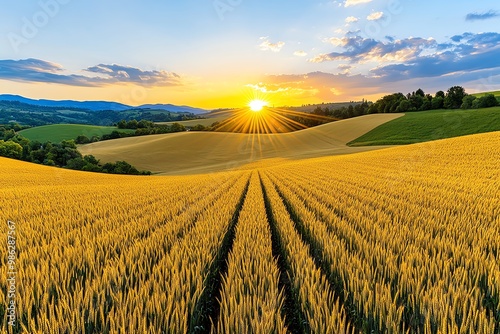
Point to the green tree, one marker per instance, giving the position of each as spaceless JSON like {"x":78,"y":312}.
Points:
{"x":177,"y":127}
{"x":81,"y":139}
{"x":467,"y":101}
{"x":132,"y":124}
{"x":92,"y":168}
{"x":420,"y":92}
{"x":8,"y":134}
{"x":427,"y":105}
{"x":122,"y":124}
{"x":416,"y":102}
{"x":123,"y":167}
{"x":10,"y":149}
{"x":437,"y":102}
{"x":90,"y":159}
{"x":454,"y":97}
{"x":199,"y":127}
{"x":404,"y":106}
{"x":76,"y":164}
{"x":440,"y":94}
{"x":490,"y":100}
{"x":143,"y":124}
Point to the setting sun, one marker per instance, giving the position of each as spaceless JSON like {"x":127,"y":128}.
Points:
{"x":257,"y":105}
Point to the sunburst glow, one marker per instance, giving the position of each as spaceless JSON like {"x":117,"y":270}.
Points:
{"x":257,"y":105}
{"x":258,"y":118}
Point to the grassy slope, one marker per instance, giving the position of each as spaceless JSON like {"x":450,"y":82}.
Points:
{"x":199,"y":152}
{"x":431,"y":125}
{"x":497,"y":94}
{"x":59,"y":132}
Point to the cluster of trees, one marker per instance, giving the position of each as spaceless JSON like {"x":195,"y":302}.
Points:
{"x":486,"y":101}
{"x":64,"y":154}
{"x":201,"y":127}
{"x":352,"y":110}
{"x":134,"y":124}
{"x":454,"y":98}
{"x":142,"y":128}
{"x":165,"y":116}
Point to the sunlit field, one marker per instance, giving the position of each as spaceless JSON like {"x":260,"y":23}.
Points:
{"x":241,"y":167}
{"x":402,"y":240}
{"x":202,"y":152}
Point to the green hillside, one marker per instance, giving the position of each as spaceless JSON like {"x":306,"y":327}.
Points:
{"x":430,"y":125}
{"x":59,"y":132}
{"x":497,"y":94}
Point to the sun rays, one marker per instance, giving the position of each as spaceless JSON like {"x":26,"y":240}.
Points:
{"x":260,"y":119}
{"x":257,"y":105}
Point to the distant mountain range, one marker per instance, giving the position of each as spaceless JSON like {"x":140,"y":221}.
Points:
{"x":100,"y":105}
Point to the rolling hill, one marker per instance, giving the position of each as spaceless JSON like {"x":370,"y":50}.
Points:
{"x":59,"y":132}
{"x":422,"y":126}
{"x":88,"y":105}
{"x":99,"y":105}
{"x":199,"y":152}
{"x":496,"y":93}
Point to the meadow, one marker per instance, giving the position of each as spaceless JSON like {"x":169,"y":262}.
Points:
{"x":422,"y":126}
{"x":399,"y":240}
{"x":60,"y":132}
{"x":496,"y":93}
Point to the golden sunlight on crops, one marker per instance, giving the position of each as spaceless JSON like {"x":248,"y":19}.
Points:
{"x":258,"y":118}
{"x":403,"y":240}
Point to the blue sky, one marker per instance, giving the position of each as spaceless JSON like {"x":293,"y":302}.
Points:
{"x":218,"y":53}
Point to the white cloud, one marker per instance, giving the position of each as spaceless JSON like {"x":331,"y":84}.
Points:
{"x":37,"y":70}
{"x":345,"y":68}
{"x":375,"y":16}
{"x":266,"y":45}
{"x":300,"y":53}
{"x":351,"y":19}
{"x":349,"y":3}
{"x":337,"y":41}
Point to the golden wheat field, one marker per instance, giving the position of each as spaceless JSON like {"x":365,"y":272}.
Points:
{"x":203,"y":152}
{"x":402,"y":240}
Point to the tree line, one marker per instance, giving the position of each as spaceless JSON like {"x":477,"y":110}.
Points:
{"x":454,"y":98}
{"x":64,"y":154}
{"x":142,"y":128}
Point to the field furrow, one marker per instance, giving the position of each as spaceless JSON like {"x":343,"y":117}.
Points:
{"x":404,"y":240}
{"x":332,"y":256}
{"x":319,"y":311}
{"x":251,"y":299}
{"x":401,"y":255}
{"x":207,"y":307}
